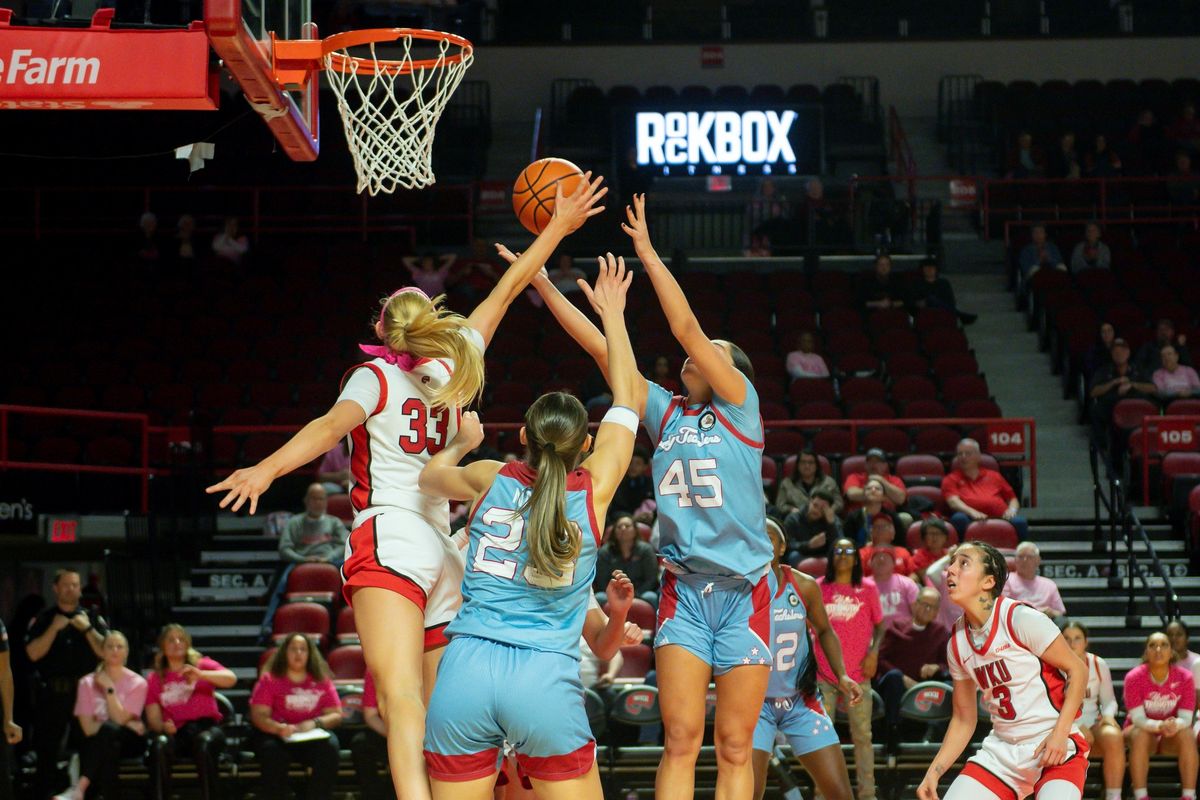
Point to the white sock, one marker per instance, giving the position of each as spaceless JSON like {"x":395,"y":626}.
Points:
{"x":1189,"y":794}
{"x":1112,"y":794}
{"x":1140,"y":794}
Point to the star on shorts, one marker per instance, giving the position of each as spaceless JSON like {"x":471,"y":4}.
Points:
{"x":745,"y":661}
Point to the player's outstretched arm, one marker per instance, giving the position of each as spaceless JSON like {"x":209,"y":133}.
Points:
{"x":606,"y":634}
{"x":725,"y":379}
{"x":443,"y":477}
{"x":614,"y":440}
{"x":570,"y":212}
{"x":818,"y":620}
{"x":314,"y":439}
{"x":958,"y":736}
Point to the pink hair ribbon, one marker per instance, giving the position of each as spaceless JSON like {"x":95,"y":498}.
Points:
{"x":405,"y":361}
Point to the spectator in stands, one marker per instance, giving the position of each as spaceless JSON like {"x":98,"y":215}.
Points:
{"x":881,"y":290}
{"x":626,"y":551}
{"x":1148,"y":140}
{"x":314,"y":535}
{"x":1027,"y":586}
{"x":805,"y":361}
{"x":896,"y":592}
{"x":429,"y":271}
{"x":769,"y":216}
{"x":974,"y":492}
{"x":759,"y":247}
{"x":11,"y":735}
{"x":1113,"y":382}
{"x":63,"y":643}
{"x":1091,"y":253}
{"x":1177,"y":632}
{"x":185,"y":248}
{"x":810,"y":528}
{"x":229,"y":244}
{"x":368,"y":748}
{"x":1025,"y":160}
{"x":108,"y":705}
{"x":1183,"y":185}
{"x":913,"y":650}
{"x":334,"y":471}
{"x":149,"y":247}
{"x":182,"y":712}
{"x":1160,"y":701}
{"x":852,"y":603}
{"x":1149,"y":356}
{"x":895,"y":493}
{"x":1101,"y":161}
{"x":934,"y":537}
{"x":1185,"y":131}
{"x":1040,"y":253}
{"x":883,"y":535}
{"x":1174,"y":380}
{"x":295,"y":694}
{"x":1098,"y":715}
{"x":1098,"y":354}
{"x":797,"y":489}
{"x":858,"y":522}
{"x":934,"y":291}
{"x":820,"y":219}
{"x":636,"y":491}
{"x":1064,"y":161}
{"x":664,"y":375}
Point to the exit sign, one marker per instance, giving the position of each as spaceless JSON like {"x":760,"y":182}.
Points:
{"x":63,"y":531}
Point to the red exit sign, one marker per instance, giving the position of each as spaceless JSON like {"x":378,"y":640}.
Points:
{"x":64,"y":531}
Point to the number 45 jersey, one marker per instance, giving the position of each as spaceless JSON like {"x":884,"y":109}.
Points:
{"x":506,"y":599}
{"x":707,"y":468}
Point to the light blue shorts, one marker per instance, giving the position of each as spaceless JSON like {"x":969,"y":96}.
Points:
{"x":726,"y":622}
{"x":801,"y":719}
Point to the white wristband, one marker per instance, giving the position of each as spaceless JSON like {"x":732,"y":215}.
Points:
{"x":623,"y":416}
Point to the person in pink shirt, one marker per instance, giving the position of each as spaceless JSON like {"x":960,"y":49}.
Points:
{"x":805,"y":361}
{"x":1029,"y":587}
{"x":334,"y":470}
{"x":108,"y":705}
{"x":368,"y":748}
{"x":429,"y":271}
{"x":294,"y":706}
{"x":896,"y":592}
{"x":1173,"y":379}
{"x":1160,"y":701}
{"x":852,"y":604}
{"x":181,"y":709}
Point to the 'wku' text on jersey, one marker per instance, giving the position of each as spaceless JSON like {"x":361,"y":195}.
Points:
{"x":992,"y":674}
{"x":688,"y":436}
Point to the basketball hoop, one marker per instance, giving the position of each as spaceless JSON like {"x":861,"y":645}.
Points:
{"x":389,"y":107}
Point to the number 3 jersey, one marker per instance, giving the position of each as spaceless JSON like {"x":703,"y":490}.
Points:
{"x":402,"y":431}
{"x":707,"y":469}
{"x":1023,"y":693}
{"x":506,"y":599}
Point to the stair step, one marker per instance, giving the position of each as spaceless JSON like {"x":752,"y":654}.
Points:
{"x":244,"y":541}
{"x":233,"y":577}
{"x":191,"y":615}
{"x":213,"y":594}
{"x":1083,"y":545}
{"x":223,"y":632}
{"x":239,"y":557}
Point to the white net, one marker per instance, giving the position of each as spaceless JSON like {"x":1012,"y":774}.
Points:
{"x":390,"y":109}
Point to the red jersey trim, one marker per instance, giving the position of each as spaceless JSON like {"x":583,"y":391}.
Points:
{"x":954,"y":646}
{"x":662,"y":424}
{"x":987,"y":645}
{"x":740,"y":436}
{"x":1012,"y":632}
{"x":383,"y":388}
{"x":578,"y":480}
{"x":360,"y":468}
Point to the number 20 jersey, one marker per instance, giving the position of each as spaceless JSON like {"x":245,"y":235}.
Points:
{"x":1023,"y":693}
{"x":505,"y":599}
{"x":707,"y":468}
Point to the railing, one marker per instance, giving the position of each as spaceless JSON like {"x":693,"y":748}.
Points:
{"x":1122,"y":518}
{"x":143,"y":472}
{"x":1105,"y":222}
{"x":1171,"y":433}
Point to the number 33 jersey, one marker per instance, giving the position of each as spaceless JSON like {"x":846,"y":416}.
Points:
{"x":707,"y":469}
{"x":505,"y":598}
{"x":1023,"y":693}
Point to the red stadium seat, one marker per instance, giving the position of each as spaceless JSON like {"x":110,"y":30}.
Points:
{"x":243,"y":416}
{"x":929,"y":319}
{"x":939,"y":342}
{"x":1184,"y":408}
{"x":997,"y":532}
{"x":871,"y":409}
{"x":111,"y":451}
{"x":813,"y":566}
{"x":902,"y":364}
{"x":964,"y":387}
{"x":339,"y":506}
{"x":908,"y":388}
{"x":1178,"y":465}
{"x":308,"y":618}
{"x":512,"y":392}
{"x":317,"y":582}
{"x":1128,"y":413}
{"x":260,"y":445}
{"x":977,"y":409}
{"x":347,"y":663}
{"x":782,"y":441}
{"x":270,"y":395}
{"x":858,"y":365}
{"x":819,"y":410}
{"x":770,"y":410}
{"x":880,"y":322}
{"x":925,"y":409}
{"x":346,"y":632}
{"x":901,"y":340}
{"x":770,"y":469}
{"x":890,"y":440}
{"x":840,"y":320}
{"x":933,"y":494}
{"x":811,"y":390}
{"x":921,"y":469}
{"x":844,"y":342}
{"x":949,"y":364}
{"x":940,"y":439}
{"x":636,"y":660}
{"x":641,"y":614}
{"x":835,"y":442}
{"x":852,"y":465}
{"x":857,"y":390}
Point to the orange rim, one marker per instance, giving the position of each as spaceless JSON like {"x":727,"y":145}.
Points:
{"x":336,"y":46}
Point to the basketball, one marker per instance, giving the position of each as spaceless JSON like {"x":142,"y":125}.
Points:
{"x":533,"y":193}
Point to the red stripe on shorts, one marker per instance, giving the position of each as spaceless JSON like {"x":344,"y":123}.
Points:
{"x":436,"y":636}
{"x":558,"y":768}
{"x":760,"y":618}
{"x":456,"y":769}
{"x":1073,"y":770}
{"x":990,"y":781}
{"x":363,"y":568}
{"x":668,"y":598}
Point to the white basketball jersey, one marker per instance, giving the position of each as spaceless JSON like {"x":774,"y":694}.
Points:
{"x":1022,"y":693}
{"x":402,"y":432}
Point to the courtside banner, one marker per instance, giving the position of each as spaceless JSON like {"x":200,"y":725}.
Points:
{"x":102,"y":68}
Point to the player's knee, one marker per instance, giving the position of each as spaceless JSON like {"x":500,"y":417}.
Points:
{"x":734,"y":751}
{"x":683,"y":738}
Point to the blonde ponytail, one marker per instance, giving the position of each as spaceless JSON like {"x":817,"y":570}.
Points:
{"x":555,"y":429}
{"x":412,"y":323}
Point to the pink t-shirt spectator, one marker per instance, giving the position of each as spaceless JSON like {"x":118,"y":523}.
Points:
{"x":335,"y":460}
{"x":806,"y":365}
{"x":368,"y":696}
{"x":1159,"y":701}
{"x":853,"y":611}
{"x":896,"y":596}
{"x":130,"y":689}
{"x":432,"y":282}
{"x":1183,"y":380}
{"x":184,"y":702}
{"x":293,"y":703}
{"x":1039,"y":592}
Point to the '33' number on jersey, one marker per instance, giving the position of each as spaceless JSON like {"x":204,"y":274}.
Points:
{"x":419,"y":438}
{"x":501,"y":567}
{"x":684,"y":476}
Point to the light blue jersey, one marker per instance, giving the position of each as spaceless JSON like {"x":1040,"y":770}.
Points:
{"x":504,"y":598}
{"x":789,"y":638}
{"x":707,"y":468}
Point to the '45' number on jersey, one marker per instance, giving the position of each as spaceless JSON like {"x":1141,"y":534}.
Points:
{"x":684,"y":476}
{"x":501,"y":567}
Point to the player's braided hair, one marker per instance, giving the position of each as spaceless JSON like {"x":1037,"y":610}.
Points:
{"x":412,"y":323}
{"x":555,"y":432}
{"x":994,"y":563}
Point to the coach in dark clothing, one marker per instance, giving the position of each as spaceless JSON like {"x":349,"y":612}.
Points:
{"x":63,"y":643}
{"x":911,"y":652}
{"x":627,"y":552}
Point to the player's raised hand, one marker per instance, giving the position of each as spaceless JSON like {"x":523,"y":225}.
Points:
{"x":928,"y":788}
{"x":508,"y":255}
{"x":620,"y":594}
{"x":245,"y":484}
{"x":574,"y":209}
{"x":470,"y":431}
{"x":608,"y":295}
{"x":635,"y":226}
